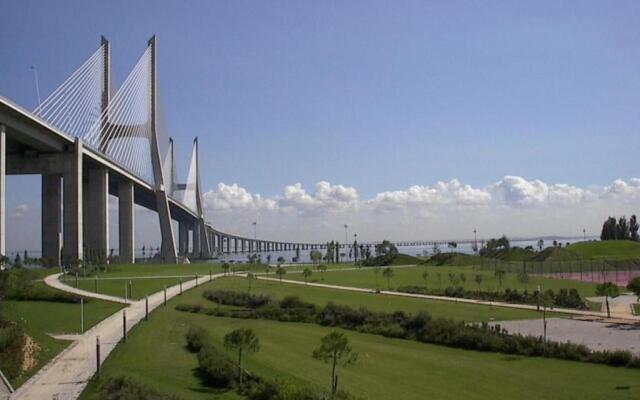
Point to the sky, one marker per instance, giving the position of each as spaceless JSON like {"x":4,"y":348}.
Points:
{"x":404,"y":120}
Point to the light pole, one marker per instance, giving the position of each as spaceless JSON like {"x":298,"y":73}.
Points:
{"x":475,"y":240}
{"x":584,"y":234}
{"x":255,"y":227}
{"x":345,"y":235}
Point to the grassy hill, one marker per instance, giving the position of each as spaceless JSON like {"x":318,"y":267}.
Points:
{"x":555,"y":254}
{"x":453,"y":259}
{"x":607,"y":249}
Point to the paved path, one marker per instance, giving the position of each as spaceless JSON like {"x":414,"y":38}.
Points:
{"x":458,"y":300}
{"x":593,"y":334}
{"x":64,"y":377}
{"x":619,"y":305}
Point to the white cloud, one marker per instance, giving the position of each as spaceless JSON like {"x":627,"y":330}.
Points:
{"x":452,"y":193}
{"x":21,"y":210}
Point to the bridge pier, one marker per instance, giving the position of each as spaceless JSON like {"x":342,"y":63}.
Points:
{"x":72,"y":207}
{"x":197,"y":242}
{"x":96,"y":213}
{"x":51,"y":217}
{"x":3,"y":188}
{"x":183,"y":238}
{"x":126,"y":223}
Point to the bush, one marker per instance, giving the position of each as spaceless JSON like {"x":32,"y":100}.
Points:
{"x":11,"y":343}
{"x":240,"y":299}
{"x":216,"y":366}
{"x":196,"y":339}
{"x":123,"y":388}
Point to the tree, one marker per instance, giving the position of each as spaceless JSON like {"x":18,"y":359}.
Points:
{"x":425,"y":276}
{"x":622,"y":229}
{"x":499,"y":274}
{"x":251,"y":277}
{"x":478,"y":279}
{"x":280,"y":260}
{"x":540,"y":244}
{"x":633,"y":228}
{"x":452,"y":246}
{"x":315,"y":256}
{"x":607,"y":289}
{"x":463,"y":278}
{"x":322,"y":268}
{"x":335,"y":349}
{"x":388,"y":274}
{"x":523,"y":278}
{"x":355,"y":250}
{"x":386,"y":248}
{"x":634,"y":286}
{"x":307,"y":274}
{"x":242,"y":339}
{"x":225,"y":268}
{"x":280,"y":271}
{"x":546,"y":301}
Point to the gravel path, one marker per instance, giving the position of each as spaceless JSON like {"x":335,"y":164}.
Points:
{"x":64,"y":377}
{"x":593,"y":334}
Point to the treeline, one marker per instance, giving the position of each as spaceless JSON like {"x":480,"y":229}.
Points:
{"x":620,"y":229}
{"x":420,"y":327}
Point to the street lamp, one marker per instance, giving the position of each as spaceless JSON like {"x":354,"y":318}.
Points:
{"x":584,"y":234}
{"x":255,"y":224}
{"x":475,"y":240}
{"x":345,"y":235}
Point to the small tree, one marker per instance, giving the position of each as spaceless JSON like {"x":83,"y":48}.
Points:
{"x":225,"y":268}
{"x":280,"y":260}
{"x":607,"y":289}
{"x":307,"y":275}
{"x":523,"y":278}
{"x":251,"y":277}
{"x":280,"y":271}
{"x":388,"y":274}
{"x":242,"y":339}
{"x":315,"y":256}
{"x":499,"y":274}
{"x":546,"y":301}
{"x":335,"y":349}
{"x":634,"y":286}
{"x":322,"y":268}
{"x":463,"y":278}
{"x":425,"y":277}
{"x":478,"y":279}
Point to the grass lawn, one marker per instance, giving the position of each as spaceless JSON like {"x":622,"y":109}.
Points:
{"x":366,"y":277}
{"x":116,"y":286}
{"x":39,"y":318}
{"x":607,"y":249}
{"x":155,"y":354}
{"x":375,"y":302}
{"x":636,"y":309}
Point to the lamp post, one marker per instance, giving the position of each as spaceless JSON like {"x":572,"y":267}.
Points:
{"x":475,"y":240}
{"x":584,"y":234}
{"x":345,"y":236}
{"x":255,"y":225}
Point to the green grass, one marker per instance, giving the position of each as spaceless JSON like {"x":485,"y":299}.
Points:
{"x":366,"y":278}
{"x":386,"y":368}
{"x":607,"y":249}
{"x":40,"y":318}
{"x":116,"y":286}
{"x":593,"y":306}
{"x":636,"y":309}
{"x":375,"y":302}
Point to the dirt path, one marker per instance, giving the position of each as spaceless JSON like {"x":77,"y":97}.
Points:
{"x":64,"y":377}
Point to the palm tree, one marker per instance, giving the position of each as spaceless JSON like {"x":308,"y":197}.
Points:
{"x":388,"y":273}
{"x":242,"y":339}
{"x":307,"y":274}
{"x":607,"y":289}
{"x":280,"y":271}
{"x":335,"y":348}
{"x":499,"y":274}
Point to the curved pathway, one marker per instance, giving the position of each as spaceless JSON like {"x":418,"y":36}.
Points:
{"x":64,"y":377}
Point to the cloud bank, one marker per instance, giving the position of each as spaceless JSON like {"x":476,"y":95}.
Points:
{"x":513,"y":205}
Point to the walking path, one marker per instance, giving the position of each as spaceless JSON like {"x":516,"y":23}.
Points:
{"x":631,"y":318}
{"x":64,"y":377}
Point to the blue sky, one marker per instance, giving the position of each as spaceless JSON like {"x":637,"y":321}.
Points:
{"x":375,"y":95}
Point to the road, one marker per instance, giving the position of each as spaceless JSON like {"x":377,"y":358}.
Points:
{"x":64,"y":377}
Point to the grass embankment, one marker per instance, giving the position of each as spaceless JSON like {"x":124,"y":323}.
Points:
{"x":607,"y":249}
{"x":377,"y":302}
{"x":137,"y":288}
{"x":366,"y":277}
{"x":386,"y":368}
{"x":41,"y":318}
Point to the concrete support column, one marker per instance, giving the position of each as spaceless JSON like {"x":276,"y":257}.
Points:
{"x":197,"y":243}
{"x":183,"y":238}
{"x":228,"y":244}
{"x":96,"y":213}
{"x":126,"y":223}
{"x":51,"y":218}
{"x":235,"y":245}
{"x":3,"y":188}
{"x":72,"y":205}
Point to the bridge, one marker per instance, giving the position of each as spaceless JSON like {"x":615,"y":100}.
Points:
{"x":88,"y":141}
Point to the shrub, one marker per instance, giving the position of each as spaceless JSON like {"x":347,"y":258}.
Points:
{"x":240,"y":299}
{"x":123,"y":388}
{"x":216,"y":366}
{"x":11,"y":343}
{"x":197,"y":338}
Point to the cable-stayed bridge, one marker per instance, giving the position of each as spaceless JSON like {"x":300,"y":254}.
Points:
{"x":90,"y":140}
